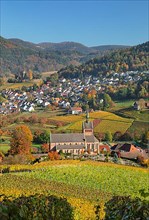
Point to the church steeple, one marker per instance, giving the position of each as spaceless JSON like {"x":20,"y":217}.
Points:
{"x":87,"y":116}
{"x":87,"y":126}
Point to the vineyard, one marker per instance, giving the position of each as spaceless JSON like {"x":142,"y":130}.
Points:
{"x":107,"y":120}
{"x":55,"y":121}
{"x":84,"y":184}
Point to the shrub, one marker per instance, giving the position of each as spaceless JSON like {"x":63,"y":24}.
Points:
{"x":34,"y":150}
{"x":36,"y":207}
{"x":45,"y":148}
{"x":145,"y":162}
{"x":121,"y":207}
{"x":53,"y":155}
{"x":142,"y":161}
{"x":41,"y":137}
{"x":18,"y":159}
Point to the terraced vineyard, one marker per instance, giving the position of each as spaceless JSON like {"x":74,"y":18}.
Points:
{"x":108,"y":122}
{"x":84,"y":184}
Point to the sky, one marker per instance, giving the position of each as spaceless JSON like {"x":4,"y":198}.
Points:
{"x":91,"y":23}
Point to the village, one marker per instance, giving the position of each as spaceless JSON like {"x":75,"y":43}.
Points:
{"x":68,"y":94}
{"x":64,"y":94}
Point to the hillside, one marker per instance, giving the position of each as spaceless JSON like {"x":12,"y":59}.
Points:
{"x":17,"y":55}
{"x":84,"y":184}
{"x":134,"y":58}
{"x":66,"y":46}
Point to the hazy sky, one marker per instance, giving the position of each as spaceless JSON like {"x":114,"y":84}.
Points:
{"x":89,"y":22}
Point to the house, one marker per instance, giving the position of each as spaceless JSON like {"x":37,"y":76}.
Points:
{"x":136,"y":106}
{"x":129,"y":151}
{"x":76,"y":143}
{"x":141,"y":104}
{"x":75,"y":110}
{"x":31,"y":109}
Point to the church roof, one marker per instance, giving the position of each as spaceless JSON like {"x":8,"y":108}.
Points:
{"x":70,"y":137}
{"x":90,"y":138}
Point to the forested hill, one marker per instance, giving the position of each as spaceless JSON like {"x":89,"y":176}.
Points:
{"x":134,"y":58}
{"x":17,"y":55}
{"x":66,"y":46}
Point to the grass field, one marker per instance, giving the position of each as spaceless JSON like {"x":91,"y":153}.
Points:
{"x":83,"y":183}
{"x":123,"y":104}
{"x":16,"y":85}
{"x":137,"y":115}
{"x":20,"y":85}
{"x":5,"y":147}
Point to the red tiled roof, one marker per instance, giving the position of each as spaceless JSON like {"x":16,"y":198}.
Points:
{"x":76,"y":109}
{"x":101,"y":147}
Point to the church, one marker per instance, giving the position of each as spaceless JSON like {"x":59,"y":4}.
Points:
{"x":76,"y":143}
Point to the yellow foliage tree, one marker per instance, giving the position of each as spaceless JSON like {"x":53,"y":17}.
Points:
{"x":30,"y":74}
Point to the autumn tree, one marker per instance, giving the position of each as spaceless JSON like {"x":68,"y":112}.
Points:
{"x":45,"y":148}
{"x":21,"y":140}
{"x":30,"y":74}
{"x":2,"y":81}
{"x":53,"y":155}
{"x":1,"y":132}
{"x":117,"y":135}
{"x":101,"y":136}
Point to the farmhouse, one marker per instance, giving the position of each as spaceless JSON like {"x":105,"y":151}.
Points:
{"x":76,"y":143}
{"x":75,"y":110}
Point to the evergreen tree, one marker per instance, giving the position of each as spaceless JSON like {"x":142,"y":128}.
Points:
{"x":108,"y":136}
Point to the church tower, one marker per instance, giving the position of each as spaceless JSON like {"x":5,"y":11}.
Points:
{"x":87,"y":126}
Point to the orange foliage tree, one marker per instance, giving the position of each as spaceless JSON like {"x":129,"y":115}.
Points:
{"x":45,"y":148}
{"x":21,"y":140}
{"x":53,"y":155}
{"x":1,"y":132}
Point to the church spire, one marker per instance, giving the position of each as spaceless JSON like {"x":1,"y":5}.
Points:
{"x":87,"y":116}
